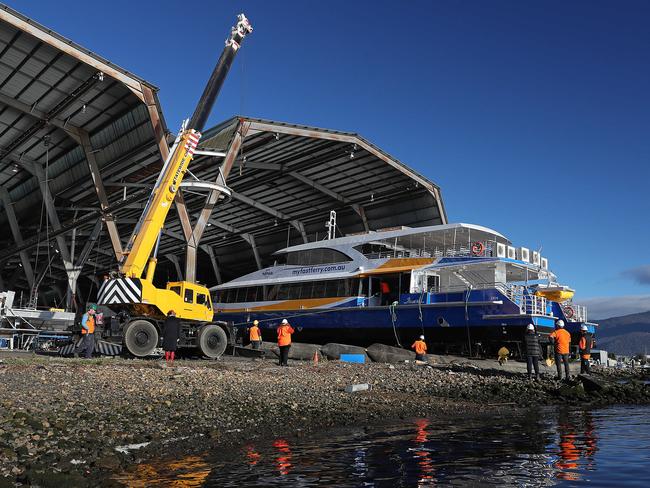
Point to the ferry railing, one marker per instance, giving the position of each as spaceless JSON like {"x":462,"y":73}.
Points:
{"x":459,"y":250}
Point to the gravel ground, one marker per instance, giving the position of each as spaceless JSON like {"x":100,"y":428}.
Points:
{"x":62,"y":420}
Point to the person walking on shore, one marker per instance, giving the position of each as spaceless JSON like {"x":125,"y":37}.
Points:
{"x":420,"y":348}
{"x":561,"y":340}
{"x":533,"y":351}
{"x":171,"y":335}
{"x":284,"y":341}
{"x":585,"y":345}
{"x":255,"y":336}
{"x":88,"y":332}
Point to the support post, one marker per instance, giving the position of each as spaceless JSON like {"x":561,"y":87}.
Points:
{"x":109,"y":220}
{"x":15,"y":230}
{"x":250,"y":238}
{"x":211,"y":200}
{"x":215,"y":264}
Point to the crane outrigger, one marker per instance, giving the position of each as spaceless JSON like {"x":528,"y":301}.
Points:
{"x":130,"y":290}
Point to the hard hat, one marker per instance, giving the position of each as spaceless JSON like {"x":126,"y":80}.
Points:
{"x":285,"y":321}
{"x":255,"y":322}
{"x":530,"y":327}
{"x":583,"y":327}
{"x":560,"y":323}
{"x":422,"y":338}
{"x":92,"y":306}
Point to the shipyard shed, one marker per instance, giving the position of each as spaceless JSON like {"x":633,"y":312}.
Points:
{"x":83,"y":140}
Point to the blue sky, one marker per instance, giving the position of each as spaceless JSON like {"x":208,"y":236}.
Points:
{"x":534,"y":118}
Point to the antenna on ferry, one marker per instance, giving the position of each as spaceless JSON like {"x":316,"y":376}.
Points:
{"x":331,"y":225}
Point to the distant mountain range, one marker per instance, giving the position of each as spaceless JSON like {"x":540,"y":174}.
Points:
{"x":627,"y":335}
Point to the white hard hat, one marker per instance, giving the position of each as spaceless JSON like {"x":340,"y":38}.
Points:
{"x":422,"y":338}
{"x":285,"y":321}
{"x":560,"y":323}
{"x":583,"y":327}
{"x":530,"y":327}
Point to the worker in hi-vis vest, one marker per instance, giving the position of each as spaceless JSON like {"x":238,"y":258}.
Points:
{"x":284,"y":341}
{"x":420,"y":348}
{"x":562,"y":341}
{"x":255,"y":335}
{"x":88,"y":333}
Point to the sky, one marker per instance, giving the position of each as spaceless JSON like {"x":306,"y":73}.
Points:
{"x":533,"y":117}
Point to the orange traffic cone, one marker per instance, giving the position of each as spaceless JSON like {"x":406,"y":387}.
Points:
{"x":315,"y":359}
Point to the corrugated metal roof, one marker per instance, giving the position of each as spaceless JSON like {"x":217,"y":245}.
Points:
{"x":285,"y":179}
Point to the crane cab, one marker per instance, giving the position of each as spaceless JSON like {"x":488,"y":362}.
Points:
{"x":190,"y":301}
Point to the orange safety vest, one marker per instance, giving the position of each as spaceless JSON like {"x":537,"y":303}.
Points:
{"x":420,"y":347}
{"x":284,"y":335}
{"x":562,"y":341}
{"x":582,"y":345}
{"x":90,"y":323}
{"x":255,"y":333}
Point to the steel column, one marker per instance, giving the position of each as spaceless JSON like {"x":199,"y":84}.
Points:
{"x":215,"y":263}
{"x":250,"y":238}
{"x":210,"y":202}
{"x":15,"y":230}
{"x":108,"y":218}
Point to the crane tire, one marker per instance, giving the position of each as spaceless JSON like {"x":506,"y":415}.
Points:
{"x":212,"y":341}
{"x":140,"y":338}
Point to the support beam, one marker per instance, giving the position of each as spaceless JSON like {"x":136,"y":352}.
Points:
{"x":331,"y":193}
{"x":210,"y":201}
{"x":215,"y":263}
{"x":15,"y":231}
{"x":69,"y":129}
{"x":177,"y":264}
{"x":362,"y":213}
{"x":250,"y":238}
{"x":301,"y":228}
{"x":108,"y":218}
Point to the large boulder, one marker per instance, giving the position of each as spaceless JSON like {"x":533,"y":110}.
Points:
{"x":304,"y":351}
{"x":271,"y":349}
{"x":382,"y":353}
{"x":333,"y":351}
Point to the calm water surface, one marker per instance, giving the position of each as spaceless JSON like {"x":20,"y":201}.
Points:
{"x":606,"y":447}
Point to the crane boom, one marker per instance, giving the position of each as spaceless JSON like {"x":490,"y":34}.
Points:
{"x":145,"y":234}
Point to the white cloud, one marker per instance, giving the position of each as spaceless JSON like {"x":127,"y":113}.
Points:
{"x":606,"y":307}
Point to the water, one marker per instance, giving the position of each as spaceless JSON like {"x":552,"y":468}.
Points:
{"x":542,"y":447}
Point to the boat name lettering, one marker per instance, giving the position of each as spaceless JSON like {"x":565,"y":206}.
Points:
{"x":318,"y":269}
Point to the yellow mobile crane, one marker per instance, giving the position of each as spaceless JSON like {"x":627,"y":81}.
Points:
{"x":141,"y":305}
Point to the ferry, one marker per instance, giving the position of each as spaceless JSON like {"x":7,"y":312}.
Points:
{"x":465,"y":287}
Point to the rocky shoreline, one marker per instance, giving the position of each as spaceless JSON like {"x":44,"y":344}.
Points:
{"x":71,"y":422}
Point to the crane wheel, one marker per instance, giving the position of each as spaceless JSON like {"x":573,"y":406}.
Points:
{"x":212,"y":341}
{"x":140,"y":338}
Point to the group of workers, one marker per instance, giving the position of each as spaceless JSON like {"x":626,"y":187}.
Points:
{"x":284,"y":332}
{"x":561,"y":340}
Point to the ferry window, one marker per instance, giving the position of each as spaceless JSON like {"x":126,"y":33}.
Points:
{"x":189,"y":296}
{"x":306,"y":289}
{"x":251,"y":294}
{"x":319,"y":289}
{"x":236,"y":294}
{"x":330,"y":288}
{"x":340,"y":288}
{"x":176,"y":289}
{"x":283,"y":292}
{"x":272,"y":292}
{"x":295,"y":290}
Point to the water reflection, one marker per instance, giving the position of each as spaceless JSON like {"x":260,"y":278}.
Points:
{"x":577,"y":442}
{"x":536,"y":448}
{"x":283,"y":459}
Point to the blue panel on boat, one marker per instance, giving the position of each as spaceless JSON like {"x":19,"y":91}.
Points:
{"x":353,"y":358}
